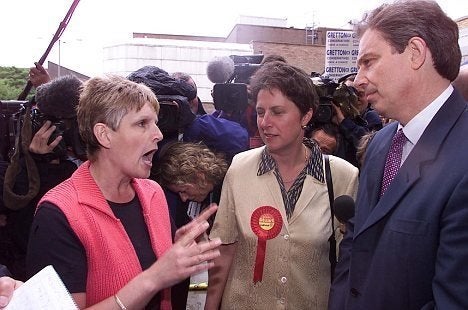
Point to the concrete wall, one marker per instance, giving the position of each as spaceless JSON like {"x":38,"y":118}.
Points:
{"x":463,"y":38}
{"x":191,"y":57}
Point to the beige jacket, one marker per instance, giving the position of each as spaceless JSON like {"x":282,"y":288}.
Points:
{"x":296,"y":273}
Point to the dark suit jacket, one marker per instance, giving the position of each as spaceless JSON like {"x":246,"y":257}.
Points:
{"x":409,"y":249}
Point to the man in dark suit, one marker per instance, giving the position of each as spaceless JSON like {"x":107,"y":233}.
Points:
{"x":407,"y":246}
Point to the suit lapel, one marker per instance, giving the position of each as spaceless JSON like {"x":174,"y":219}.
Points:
{"x":426,"y":150}
{"x":372,"y":174}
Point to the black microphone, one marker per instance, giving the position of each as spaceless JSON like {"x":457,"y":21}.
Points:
{"x":344,"y":208}
{"x":220,"y":69}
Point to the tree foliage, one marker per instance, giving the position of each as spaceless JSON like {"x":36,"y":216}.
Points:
{"x":12,"y":82}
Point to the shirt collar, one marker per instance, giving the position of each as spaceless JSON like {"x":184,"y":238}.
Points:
{"x":416,"y":126}
{"x":314,"y":165}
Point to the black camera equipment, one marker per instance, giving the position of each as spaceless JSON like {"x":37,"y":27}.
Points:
{"x":244,"y":67}
{"x":230,"y":98}
{"x":10,"y":114}
{"x":231,"y":76}
{"x":65,"y":127}
{"x":332,"y":93}
{"x":11,"y":121}
{"x":174,"y":114}
{"x":61,"y":126}
{"x":173,"y":97}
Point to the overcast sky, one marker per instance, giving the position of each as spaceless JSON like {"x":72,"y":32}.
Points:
{"x":27,"y":26}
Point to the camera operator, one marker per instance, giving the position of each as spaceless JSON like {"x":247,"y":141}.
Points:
{"x":347,"y":108}
{"x":231,"y":93}
{"x":196,"y":106}
{"x":51,"y":152}
{"x":216,"y":130}
{"x":328,"y":138}
{"x":354,"y":128}
{"x":174,"y":96}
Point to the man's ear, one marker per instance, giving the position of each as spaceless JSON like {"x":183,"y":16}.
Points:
{"x":101,"y":132}
{"x":418,"y":52}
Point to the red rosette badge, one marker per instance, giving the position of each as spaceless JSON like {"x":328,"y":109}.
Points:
{"x":266,"y":223}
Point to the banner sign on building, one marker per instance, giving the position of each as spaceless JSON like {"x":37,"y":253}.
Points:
{"x":342,"y":48}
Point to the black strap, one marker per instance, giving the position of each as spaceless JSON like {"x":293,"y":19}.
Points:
{"x":331,"y":197}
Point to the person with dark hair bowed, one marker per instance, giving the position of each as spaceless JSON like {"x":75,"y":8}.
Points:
{"x":406,"y":247}
{"x":274,"y":218}
{"x":196,"y":105}
{"x":191,"y":170}
{"x":106,"y":230}
{"x":191,"y":176}
{"x":328,"y":138}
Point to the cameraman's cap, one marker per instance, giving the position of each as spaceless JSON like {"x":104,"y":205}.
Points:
{"x":59,"y":97}
{"x":161,"y":83}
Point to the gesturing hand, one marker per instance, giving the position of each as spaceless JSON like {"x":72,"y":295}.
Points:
{"x":187,"y":256}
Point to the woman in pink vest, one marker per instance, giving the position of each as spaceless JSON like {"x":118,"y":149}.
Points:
{"x":106,"y":230}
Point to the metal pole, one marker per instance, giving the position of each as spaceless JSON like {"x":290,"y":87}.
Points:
{"x":58,"y":71}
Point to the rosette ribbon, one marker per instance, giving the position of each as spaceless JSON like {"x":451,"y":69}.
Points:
{"x":266,"y":223}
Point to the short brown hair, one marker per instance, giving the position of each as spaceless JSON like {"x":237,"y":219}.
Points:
{"x":400,"y":21}
{"x":107,"y":100}
{"x":293,"y":82}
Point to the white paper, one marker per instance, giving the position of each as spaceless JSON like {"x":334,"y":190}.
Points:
{"x":44,"y":290}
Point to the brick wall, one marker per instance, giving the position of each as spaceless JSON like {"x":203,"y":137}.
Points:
{"x":462,"y":22}
{"x":307,"y":57}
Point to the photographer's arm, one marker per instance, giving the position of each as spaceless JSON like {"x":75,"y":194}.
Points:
{"x":339,"y":116}
{"x":38,"y":75}
{"x":352,"y":131}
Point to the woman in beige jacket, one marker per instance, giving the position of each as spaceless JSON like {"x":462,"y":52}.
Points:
{"x":274,"y":216}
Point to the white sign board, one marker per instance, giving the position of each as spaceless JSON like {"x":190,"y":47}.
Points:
{"x":342,"y":48}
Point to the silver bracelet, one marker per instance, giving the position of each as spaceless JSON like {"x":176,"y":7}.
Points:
{"x":119,"y":302}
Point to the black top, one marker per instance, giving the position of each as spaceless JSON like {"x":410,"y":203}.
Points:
{"x":51,"y":230}
{"x":14,"y":236}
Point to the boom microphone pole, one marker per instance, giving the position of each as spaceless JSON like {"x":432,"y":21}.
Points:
{"x":57,"y":36}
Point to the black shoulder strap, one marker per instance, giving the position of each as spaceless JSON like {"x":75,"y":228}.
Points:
{"x":331,"y":197}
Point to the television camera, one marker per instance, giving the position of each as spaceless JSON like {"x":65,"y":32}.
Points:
{"x":231,"y":76}
{"x":332,"y":93}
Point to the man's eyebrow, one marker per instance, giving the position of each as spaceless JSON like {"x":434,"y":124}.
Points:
{"x":364,"y":56}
